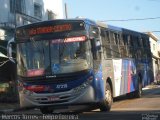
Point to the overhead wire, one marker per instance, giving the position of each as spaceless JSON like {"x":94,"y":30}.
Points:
{"x":133,"y":19}
{"x":154,"y":31}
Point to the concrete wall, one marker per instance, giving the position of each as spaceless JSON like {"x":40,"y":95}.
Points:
{"x":153,"y":43}
{"x":155,"y":57}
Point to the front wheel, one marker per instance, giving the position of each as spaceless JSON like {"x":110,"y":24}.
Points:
{"x":105,"y":105}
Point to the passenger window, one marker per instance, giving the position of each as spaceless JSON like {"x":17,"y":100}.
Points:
{"x":121,"y":42}
{"x":107,"y":37}
{"x":130,"y":39}
{"x":115,"y":37}
{"x":94,"y":32}
{"x":125,"y":39}
{"x":144,"y":42}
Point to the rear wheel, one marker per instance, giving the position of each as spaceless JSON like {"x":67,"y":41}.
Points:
{"x":105,"y":105}
{"x":138,"y":93}
{"x":46,"y":110}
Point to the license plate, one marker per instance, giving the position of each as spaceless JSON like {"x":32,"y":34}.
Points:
{"x":53,"y":98}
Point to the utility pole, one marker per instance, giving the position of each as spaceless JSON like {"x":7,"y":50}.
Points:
{"x":15,"y":12}
{"x":66,"y":11}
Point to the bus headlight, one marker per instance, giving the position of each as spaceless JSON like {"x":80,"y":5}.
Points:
{"x":84,"y":85}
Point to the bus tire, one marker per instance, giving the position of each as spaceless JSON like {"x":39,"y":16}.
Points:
{"x":46,"y":110}
{"x":138,"y":93}
{"x":105,"y":105}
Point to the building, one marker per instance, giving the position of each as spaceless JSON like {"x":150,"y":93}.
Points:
{"x":53,"y":10}
{"x":15,"y":13}
{"x":27,"y":11}
{"x":155,"y":54}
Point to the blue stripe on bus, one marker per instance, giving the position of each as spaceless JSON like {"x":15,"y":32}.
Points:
{"x":128,"y":66}
{"x":70,"y":84}
{"x":133,"y":85}
{"x":99,"y":84}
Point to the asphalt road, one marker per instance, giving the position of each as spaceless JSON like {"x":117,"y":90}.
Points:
{"x":145,"y":108}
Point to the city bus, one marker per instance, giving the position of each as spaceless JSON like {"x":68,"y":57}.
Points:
{"x":76,"y":63}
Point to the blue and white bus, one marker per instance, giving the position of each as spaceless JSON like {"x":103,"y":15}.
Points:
{"x":78,"y":62}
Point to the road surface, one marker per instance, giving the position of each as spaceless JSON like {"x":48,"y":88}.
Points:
{"x":145,"y":108}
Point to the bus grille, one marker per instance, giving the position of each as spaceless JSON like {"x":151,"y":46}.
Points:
{"x":61,"y":98}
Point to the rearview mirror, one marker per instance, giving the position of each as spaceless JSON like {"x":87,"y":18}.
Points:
{"x":10,"y":47}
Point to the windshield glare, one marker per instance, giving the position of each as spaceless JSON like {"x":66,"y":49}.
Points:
{"x":38,"y":58}
{"x":33,"y":56}
{"x":69,"y":56}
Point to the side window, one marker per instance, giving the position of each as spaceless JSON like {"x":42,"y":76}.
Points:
{"x":139,"y":42}
{"x":103,"y":37}
{"x":130,"y":46}
{"x":94,"y":32}
{"x":95,"y":42}
{"x":116,"y":38}
{"x":106,"y":44}
{"x":139,"y":49}
{"x":115,"y":45}
{"x":144,"y":42}
{"x":135,"y":42}
{"x":126,"y":39}
{"x":121,"y":42}
{"x":131,"y":40}
{"x":107,"y":37}
{"x":148,"y":43}
{"x":112,"y":37}
{"x":94,"y":49}
{"x":122,"y":47}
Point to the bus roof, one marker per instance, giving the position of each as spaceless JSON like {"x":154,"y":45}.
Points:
{"x":136,"y":33}
{"x":115,"y":28}
{"x":87,"y":21}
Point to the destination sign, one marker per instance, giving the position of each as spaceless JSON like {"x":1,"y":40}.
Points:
{"x":50,"y":29}
{"x":70,"y":39}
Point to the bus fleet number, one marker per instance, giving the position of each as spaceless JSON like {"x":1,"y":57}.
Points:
{"x":61,"y":86}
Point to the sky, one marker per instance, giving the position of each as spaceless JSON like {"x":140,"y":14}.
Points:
{"x":104,"y":10}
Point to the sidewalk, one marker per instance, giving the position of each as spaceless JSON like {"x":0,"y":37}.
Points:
{"x":153,"y":85}
{"x":4,"y":106}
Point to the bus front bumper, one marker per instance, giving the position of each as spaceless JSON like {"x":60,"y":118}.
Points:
{"x":77,"y":96}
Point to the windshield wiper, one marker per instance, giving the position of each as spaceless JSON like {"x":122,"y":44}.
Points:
{"x":61,"y":50}
{"x":37,"y":45}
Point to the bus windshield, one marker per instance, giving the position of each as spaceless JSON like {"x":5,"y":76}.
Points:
{"x":57,"y":56}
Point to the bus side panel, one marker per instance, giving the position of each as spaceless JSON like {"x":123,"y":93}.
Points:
{"x":122,"y":73}
{"x":129,"y":77}
{"x":117,"y":66}
{"x":134,"y":76}
{"x":145,"y":79}
{"x":146,"y":73}
{"x":108,"y":73}
{"x":124,"y":76}
{"x":124,"y":82}
{"x":99,"y":84}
